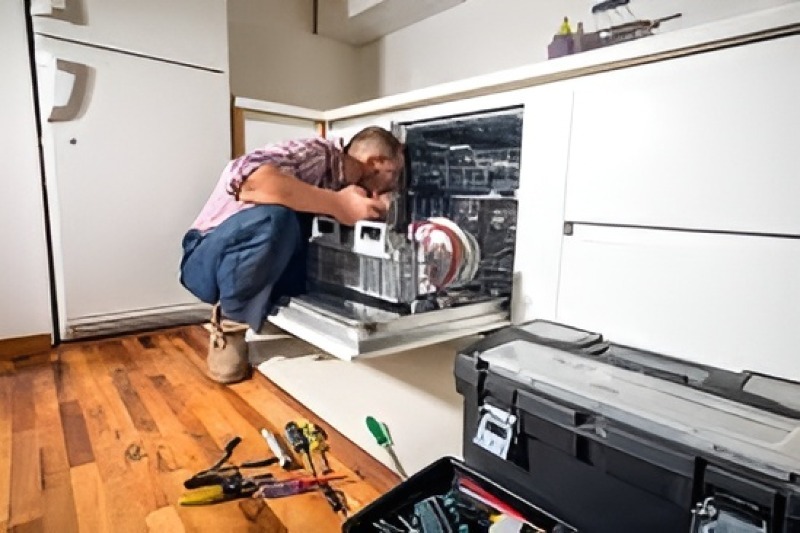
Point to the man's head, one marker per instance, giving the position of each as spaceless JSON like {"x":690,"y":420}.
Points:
{"x":379,"y":157}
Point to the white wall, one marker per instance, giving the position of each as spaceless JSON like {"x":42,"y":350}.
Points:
{"x":24,"y":285}
{"x":274,"y":56}
{"x":483,"y":36}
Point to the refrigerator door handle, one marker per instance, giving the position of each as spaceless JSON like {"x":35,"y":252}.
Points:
{"x":62,"y":87}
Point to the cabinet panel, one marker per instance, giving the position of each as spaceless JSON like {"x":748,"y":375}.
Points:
{"x":724,"y":300}
{"x":545,"y":149}
{"x":705,"y":142}
{"x":186,"y":31}
{"x":128,"y":172}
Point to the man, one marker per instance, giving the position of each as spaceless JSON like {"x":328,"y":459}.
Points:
{"x":247,"y":247}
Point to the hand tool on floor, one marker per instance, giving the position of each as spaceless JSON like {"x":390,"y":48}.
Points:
{"x":284,"y":459}
{"x":384,"y":439}
{"x":305,"y":437}
{"x":299,"y":443}
{"x":225,"y":489}
{"x":335,"y":499}
{"x":220,"y":472}
{"x":290,"y":487}
{"x":317,"y":442}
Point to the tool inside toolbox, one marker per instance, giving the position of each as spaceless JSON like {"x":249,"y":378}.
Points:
{"x":448,"y":497}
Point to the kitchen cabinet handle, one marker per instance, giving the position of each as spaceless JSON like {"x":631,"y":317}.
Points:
{"x":46,"y":7}
{"x":73,"y":12}
{"x":62,"y":87}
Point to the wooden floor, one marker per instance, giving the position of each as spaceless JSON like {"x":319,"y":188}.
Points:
{"x":100,"y":436}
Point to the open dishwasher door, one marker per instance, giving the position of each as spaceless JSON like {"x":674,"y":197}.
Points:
{"x":441,"y":266}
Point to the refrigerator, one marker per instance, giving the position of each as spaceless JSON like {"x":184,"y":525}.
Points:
{"x":135,"y":109}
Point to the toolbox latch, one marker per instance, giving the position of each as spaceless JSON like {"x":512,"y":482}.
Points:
{"x":726,"y":514}
{"x":495,"y":430}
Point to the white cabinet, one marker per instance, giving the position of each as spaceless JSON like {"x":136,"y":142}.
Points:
{"x":729,"y":301}
{"x":704,"y":142}
{"x":24,"y":279}
{"x":681,"y":190}
{"x":192,"y":32}
{"x":129,"y":167}
{"x":545,"y":150}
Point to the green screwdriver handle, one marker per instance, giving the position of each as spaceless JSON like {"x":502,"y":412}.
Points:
{"x":379,"y":431}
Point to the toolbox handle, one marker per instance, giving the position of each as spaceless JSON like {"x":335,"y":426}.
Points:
{"x":550,"y":411}
{"x":586,"y":425}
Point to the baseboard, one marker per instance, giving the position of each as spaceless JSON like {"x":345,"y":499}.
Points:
{"x":24,"y":346}
{"x":134,"y":321}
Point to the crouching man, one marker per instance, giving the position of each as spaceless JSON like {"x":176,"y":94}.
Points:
{"x":247,"y":248}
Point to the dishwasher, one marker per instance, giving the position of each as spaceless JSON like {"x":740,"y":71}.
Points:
{"x":440,"y":266}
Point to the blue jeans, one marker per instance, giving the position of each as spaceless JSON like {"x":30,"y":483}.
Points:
{"x":248,"y":262}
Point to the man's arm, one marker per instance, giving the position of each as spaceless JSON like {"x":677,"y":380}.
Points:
{"x":268,"y":185}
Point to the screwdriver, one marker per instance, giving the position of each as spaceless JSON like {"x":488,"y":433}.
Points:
{"x":317,"y":442}
{"x":290,"y":487}
{"x":299,"y":443}
{"x":381,"y":434}
{"x":272,"y":441}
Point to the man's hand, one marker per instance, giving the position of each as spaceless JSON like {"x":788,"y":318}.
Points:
{"x":353,"y":204}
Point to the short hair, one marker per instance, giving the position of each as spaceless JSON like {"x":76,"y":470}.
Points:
{"x":378,"y":138}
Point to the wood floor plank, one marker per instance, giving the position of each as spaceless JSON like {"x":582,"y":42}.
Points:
{"x":76,"y":435}
{"x":6,"y":430}
{"x":34,"y":526}
{"x":26,"y":478}
{"x":60,"y":514}
{"x":90,"y":500}
{"x":174,"y":398}
{"x":49,"y":425}
{"x":142,"y":420}
{"x":65,"y":390}
{"x":142,"y":354}
{"x":58,"y":500}
{"x":165,"y":520}
{"x":24,"y":407}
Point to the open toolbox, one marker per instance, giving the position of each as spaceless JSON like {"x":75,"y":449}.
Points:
{"x":576,"y":433}
{"x":448,"y":496}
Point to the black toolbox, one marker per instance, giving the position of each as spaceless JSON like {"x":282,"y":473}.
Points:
{"x":577,"y":433}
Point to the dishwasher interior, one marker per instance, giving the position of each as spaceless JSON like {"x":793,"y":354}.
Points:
{"x":441,"y":265}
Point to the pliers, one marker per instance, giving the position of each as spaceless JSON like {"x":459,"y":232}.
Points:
{"x":221,"y":483}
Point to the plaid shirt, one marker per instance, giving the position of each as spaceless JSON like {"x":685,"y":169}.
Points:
{"x":316,"y":161}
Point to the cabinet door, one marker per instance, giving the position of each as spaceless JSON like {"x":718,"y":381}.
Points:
{"x":729,"y":301}
{"x":703,"y":142}
{"x":131,"y":158}
{"x":194,"y":32}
